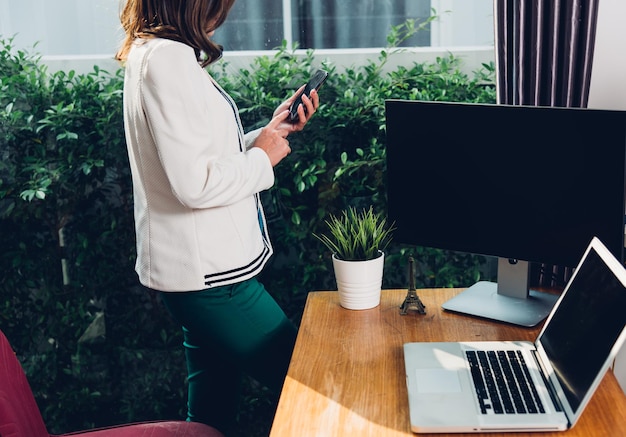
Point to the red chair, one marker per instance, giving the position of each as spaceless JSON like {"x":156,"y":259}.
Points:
{"x":20,"y":416}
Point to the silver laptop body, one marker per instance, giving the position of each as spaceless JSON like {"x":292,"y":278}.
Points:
{"x":566,"y":363}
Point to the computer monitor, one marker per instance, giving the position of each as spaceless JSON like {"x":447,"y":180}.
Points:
{"x":521,"y":183}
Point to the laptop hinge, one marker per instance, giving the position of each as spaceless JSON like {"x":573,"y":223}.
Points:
{"x":548,"y":384}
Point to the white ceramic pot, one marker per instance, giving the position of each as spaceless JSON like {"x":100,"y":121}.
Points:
{"x":359,"y":282}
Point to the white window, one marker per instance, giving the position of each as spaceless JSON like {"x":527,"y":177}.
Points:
{"x":75,"y":34}
{"x":344,"y":24}
{"x":62,"y":27}
{"x":91,"y":27}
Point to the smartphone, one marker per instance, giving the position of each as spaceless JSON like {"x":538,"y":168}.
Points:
{"x":314,"y":83}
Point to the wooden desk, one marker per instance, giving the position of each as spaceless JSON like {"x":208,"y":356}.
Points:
{"x":347,"y":377}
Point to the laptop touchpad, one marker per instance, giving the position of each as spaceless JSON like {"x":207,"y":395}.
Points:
{"x":437,"y":381}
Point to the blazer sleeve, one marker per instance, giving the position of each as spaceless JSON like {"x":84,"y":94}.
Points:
{"x":251,"y":137}
{"x":196,"y":133}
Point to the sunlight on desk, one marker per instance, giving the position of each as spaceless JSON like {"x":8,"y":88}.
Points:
{"x":328,"y":412}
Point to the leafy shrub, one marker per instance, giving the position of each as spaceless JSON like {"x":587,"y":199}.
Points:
{"x":70,"y":303}
{"x":97,"y":347}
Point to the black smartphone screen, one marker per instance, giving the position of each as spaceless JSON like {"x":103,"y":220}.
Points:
{"x":314,"y":83}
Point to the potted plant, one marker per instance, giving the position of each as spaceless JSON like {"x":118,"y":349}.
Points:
{"x":357,"y":240}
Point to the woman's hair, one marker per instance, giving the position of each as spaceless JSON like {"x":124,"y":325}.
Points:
{"x":186,"y":21}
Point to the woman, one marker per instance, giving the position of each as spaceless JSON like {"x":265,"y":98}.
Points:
{"x":200,"y":228}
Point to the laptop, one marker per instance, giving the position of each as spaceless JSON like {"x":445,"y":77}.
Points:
{"x":450,"y":384}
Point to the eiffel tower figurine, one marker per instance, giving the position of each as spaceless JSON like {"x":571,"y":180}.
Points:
{"x":412,"y":300}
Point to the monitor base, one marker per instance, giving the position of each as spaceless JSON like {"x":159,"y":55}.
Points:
{"x":482,"y":300}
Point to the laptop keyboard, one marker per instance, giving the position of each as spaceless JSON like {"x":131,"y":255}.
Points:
{"x":503,"y":383}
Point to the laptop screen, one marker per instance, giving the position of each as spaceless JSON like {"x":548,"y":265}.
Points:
{"x":582,"y":331}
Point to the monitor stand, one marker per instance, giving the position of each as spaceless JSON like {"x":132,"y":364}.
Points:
{"x":508,"y":301}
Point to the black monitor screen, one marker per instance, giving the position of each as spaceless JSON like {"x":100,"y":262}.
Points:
{"x":521,"y":182}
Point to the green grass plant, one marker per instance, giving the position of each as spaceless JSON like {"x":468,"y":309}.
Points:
{"x":357,"y":235}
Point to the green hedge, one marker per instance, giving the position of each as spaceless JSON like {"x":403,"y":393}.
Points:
{"x":97,"y":348}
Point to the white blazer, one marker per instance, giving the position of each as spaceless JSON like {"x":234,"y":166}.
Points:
{"x":198,"y":219}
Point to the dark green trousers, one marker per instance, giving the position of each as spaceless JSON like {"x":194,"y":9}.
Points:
{"x":229,"y":331}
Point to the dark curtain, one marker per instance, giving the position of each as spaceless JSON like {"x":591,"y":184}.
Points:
{"x":544,"y":51}
{"x":252,"y":25}
{"x":321,"y":24}
{"x":544,"y":55}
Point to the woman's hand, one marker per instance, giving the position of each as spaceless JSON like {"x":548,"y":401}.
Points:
{"x":310,"y":103}
{"x":273,"y":137}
